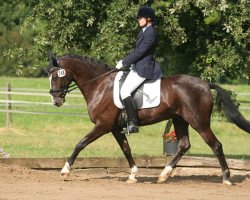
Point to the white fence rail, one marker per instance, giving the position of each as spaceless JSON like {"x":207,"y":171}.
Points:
{"x":34,"y":94}
{"x":8,"y":103}
{"x":42,"y":113}
{"x":24,"y":103}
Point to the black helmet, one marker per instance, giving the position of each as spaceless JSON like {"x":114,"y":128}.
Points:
{"x":147,"y":12}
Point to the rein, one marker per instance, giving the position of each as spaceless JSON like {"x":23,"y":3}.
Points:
{"x":74,"y":86}
{"x":62,"y":92}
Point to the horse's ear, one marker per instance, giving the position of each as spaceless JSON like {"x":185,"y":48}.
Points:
{"x":53,"y":60}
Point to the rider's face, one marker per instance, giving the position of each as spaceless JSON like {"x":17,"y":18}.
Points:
{"x":142,"y":22}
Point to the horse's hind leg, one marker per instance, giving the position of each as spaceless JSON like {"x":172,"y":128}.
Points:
{"x":181,"y":128}
{"x":216,"y":146}
{"x":123,"y":142}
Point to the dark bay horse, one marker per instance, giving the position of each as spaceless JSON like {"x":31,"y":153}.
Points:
{"x":186,"y":99}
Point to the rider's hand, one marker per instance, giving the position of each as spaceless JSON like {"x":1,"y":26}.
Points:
{"x":119,"y":65}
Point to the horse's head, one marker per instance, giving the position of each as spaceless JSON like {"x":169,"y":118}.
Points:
{"x":81,"y":70}
{"x":60,"y":80}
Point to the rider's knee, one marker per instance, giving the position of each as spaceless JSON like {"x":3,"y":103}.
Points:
{"x":124,"y":93}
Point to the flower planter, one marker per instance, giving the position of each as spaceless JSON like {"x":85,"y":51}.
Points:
{"x":170,"y":142}
{"x":170,"y":148}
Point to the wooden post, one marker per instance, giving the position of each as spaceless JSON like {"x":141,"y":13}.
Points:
{"x":8,"y":107}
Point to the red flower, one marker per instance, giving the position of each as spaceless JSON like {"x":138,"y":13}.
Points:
{"x":171,"y":136}
{"x":167,"y":135}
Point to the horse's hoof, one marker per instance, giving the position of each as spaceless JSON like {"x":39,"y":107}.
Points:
{"x":227,"y":182}
{"x":65,"y":175}
{"x":162,"y":179}
{"x":165,"y":174}
{"x":131,"y":181}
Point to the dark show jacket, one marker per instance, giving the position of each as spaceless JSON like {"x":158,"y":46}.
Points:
{"x":142,"y":57}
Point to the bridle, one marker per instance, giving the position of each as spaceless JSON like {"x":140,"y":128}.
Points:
{"x":65,"y":89}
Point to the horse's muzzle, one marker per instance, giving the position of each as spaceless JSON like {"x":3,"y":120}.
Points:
{"x":57,"y":101}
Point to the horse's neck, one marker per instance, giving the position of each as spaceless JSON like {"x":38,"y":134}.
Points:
{"x":92,"y":90}
{"x":87,"y":78}
{"x":82,"y":70}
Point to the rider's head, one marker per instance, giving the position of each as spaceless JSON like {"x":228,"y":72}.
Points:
{"x":145,"y":15}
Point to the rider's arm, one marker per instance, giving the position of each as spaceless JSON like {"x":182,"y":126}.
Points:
{"x":136,"y":55}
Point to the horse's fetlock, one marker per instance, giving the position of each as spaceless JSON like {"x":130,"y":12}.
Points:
{"x":226,"y":174}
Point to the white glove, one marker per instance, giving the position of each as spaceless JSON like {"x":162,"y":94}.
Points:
{"x":119,"y":65}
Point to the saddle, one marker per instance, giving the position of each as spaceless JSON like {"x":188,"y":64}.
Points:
{"x":147,"y":95}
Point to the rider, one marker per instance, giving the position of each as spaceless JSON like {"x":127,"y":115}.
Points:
{"x":143,"y":64}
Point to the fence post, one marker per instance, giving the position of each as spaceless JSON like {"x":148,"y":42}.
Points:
{"x":8,"y":107}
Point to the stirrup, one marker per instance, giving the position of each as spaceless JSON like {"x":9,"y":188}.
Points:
{"x":131,"y":128}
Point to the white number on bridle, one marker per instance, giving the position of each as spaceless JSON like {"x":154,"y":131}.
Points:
{"x":61,"y":73}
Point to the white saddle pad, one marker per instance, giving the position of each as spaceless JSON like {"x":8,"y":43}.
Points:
{"x":150,"y":94}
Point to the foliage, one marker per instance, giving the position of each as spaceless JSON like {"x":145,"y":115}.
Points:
{"x":205,"y":38}
{"x":111,"y":44}
{"x":12,"y":14}
{"x":208,"y":38}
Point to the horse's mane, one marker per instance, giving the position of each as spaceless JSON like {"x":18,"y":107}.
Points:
{"x":92,"y":62}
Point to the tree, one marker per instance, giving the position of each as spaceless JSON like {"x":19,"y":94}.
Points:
{"x":206,"y":38}
{"x":12,"y":14}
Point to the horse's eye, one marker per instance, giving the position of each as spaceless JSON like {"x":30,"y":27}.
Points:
{"x":54,"y":78}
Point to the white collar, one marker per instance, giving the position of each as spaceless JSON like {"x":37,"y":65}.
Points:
{"x":144,"y":28}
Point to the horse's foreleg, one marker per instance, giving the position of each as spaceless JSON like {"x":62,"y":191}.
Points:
{"x":123,"y":142}
{"x":181,"y":128}
{"x":183,"y":146}
{"x":90,"y":137}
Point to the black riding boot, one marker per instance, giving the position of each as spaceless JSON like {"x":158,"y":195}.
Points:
{"x":132,"y":116}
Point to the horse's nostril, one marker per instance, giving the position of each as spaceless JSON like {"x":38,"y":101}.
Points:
{"x":56,"y":104}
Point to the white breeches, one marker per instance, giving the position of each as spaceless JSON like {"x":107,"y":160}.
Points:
{"x":132,"y":81}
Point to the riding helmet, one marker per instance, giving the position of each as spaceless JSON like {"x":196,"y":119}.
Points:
{"x":147,"y":12}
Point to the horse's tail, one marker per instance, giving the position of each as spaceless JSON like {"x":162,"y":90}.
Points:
{"x":231,"y":111}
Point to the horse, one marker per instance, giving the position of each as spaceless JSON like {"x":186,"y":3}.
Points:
{"x":185,"y":99}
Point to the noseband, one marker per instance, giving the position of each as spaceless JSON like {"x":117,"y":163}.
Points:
{"x":62,"y":92}
{"x":59,"y":93}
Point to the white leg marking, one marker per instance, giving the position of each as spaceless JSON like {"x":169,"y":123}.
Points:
{"x":227,"y":182}
{"x":65,"y":169}
{"x":131,"y":178}
{"x":165,"y":174}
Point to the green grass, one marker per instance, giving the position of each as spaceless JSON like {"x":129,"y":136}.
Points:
{"x":57,"y":135}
